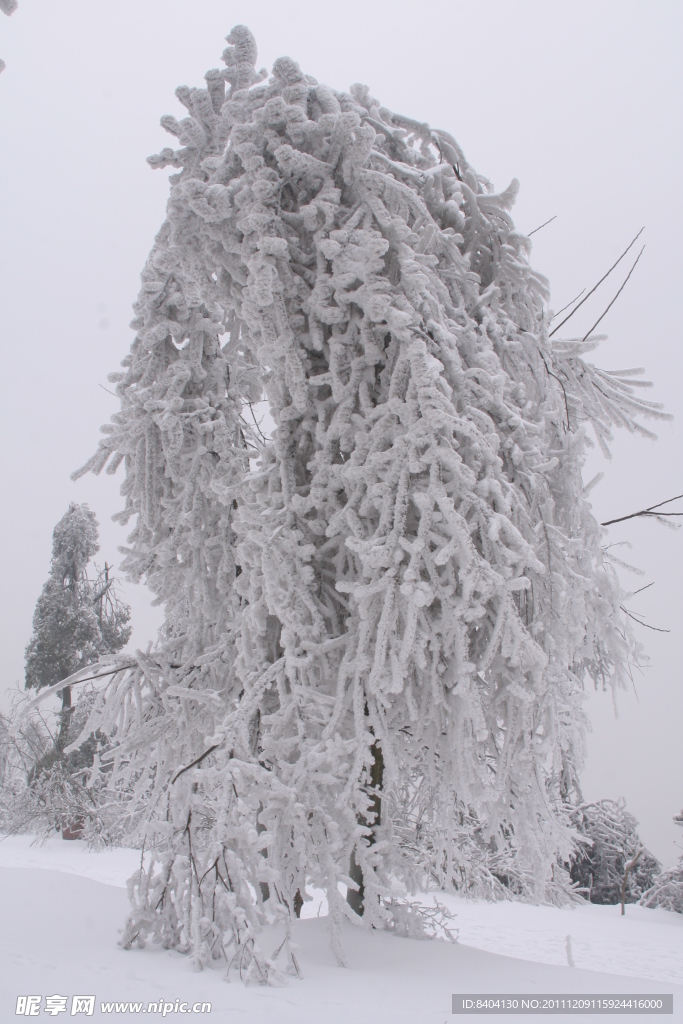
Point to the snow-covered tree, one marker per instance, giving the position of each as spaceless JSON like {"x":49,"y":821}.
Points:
{"x":598,"y":866}
{"x":76,"y":622}
{"x":404,"y":584}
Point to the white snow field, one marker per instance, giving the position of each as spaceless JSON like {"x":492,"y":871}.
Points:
{"x":62,"y":905}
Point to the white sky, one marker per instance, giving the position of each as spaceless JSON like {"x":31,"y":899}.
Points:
{"x":579,"y":100}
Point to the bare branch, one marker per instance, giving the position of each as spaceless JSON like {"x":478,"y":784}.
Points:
{"x":647,"y":512}
{"x":603,"y":278}
{"x":545,"y":223}
{"x":641,"y":589}
{"x":641,"y":623}
{"x":555,"y":315}
{"x":588,"y":333}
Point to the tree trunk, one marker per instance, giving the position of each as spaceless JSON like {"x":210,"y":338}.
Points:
{"x":72,"y":829}
{"x":64,"y":718}
{"x":356,"y":897}
{"x":631,"y":864}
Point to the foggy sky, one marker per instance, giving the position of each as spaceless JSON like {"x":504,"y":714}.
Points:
{"x":581,"y":101}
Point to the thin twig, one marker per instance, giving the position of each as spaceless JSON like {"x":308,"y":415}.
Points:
{"x":647,"y":512}
{"x":555,"y":315}
{"x":588,"y":333}
{"x":641,"y":623}
{"x":551,"y":374}
{"x":108,"y":391}
{"x":257,"y":424}
{"x":641,"y":589}
{"x":542,"y":226}
{"x":604,"y":277}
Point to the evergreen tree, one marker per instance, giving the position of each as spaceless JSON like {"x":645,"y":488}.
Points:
{"x":77,"y":620}
{"x":405,"y":584}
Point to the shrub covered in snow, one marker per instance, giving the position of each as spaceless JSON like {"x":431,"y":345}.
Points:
{"x":598,"y":866}
{"x":666,"y":889}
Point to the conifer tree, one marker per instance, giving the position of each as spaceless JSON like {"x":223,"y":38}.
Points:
{"x":77,"y":620}
{"x":405,"y":582}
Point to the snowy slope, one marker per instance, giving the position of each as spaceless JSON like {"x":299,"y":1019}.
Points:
{"x":61,"y":906}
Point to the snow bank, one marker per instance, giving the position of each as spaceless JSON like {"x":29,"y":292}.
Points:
{"x":61,"y":908}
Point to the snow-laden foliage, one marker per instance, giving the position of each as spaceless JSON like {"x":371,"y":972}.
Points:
{"x":598,"y":866}
{"x":666,"y":889}
{"x":404,"y":582}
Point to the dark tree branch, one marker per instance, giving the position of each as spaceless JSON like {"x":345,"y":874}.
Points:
{"x":544,"y":224}
{"x":641,"y":589}
{"x":571,"y":303}
{"x":588,"y":333}
{"x":641,"y":623}
{"x":603,"y":278}
{"x":647,"y":512}
{"x":196,"y":761}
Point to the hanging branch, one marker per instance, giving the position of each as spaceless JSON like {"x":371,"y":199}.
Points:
{"x":73,"y":680}
{"x":641,"y":623}
{"x":595,"y":288}
{"x":647,"y":512}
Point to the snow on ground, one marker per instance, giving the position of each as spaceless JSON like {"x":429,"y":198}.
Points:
{"x":112,"y":866}
{"x":61,"y":907}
